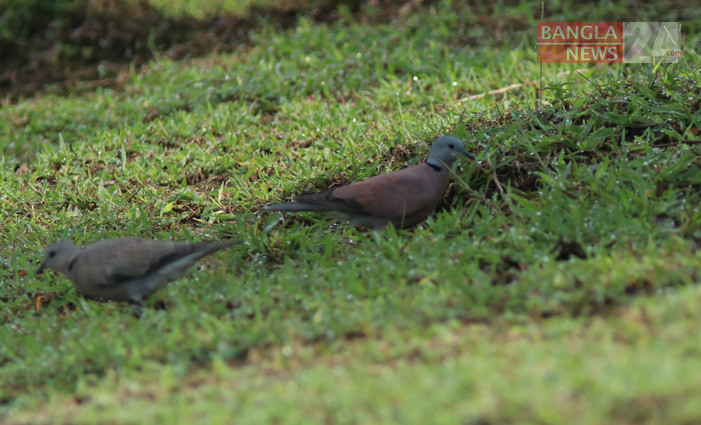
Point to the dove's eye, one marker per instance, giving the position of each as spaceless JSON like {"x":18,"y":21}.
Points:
{"x":52,"y":254}
{"x":451,"y":146}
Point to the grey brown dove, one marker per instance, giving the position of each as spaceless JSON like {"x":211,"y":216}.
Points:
{"x":128,"y":269}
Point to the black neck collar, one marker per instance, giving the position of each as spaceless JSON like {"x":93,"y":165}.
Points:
{"x":72,"y":263}
{"x":434,"y":166}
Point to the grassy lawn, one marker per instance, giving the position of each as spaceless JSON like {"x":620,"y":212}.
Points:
{"x":556,"y":283}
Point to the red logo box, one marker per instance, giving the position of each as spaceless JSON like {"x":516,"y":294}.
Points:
{"x":580,"y":42}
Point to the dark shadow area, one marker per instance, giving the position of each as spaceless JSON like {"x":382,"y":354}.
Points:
{"x":64,"y":42}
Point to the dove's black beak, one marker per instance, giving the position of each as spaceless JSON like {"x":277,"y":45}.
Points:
{"x":463,"y":152}
{"x":469,"y":155}
{"x":41,"y":269}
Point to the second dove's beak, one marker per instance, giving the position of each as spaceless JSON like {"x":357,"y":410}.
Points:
{"x":463,"y":152}
{"x":469,"y":155}
{"x":41,"y":269}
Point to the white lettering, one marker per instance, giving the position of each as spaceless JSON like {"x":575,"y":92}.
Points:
{"x":558,"y":33}
{"x":545,"y":32}
{"x":611,"y":32}
{"x":587,"y":35}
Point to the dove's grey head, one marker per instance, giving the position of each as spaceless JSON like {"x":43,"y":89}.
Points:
{"x":444,"y":151}
{"x":58,"y":256}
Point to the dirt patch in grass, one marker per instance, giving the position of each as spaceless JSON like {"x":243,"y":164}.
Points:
{"x":79,"y":44}
{"x":99,"y":42}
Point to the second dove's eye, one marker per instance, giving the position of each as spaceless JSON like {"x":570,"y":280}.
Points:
{"x":52,"y":254}
{"x":451,"y":146}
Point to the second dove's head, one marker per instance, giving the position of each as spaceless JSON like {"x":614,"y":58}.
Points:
{"x":58,"y":256}
{"x":445,"y":150}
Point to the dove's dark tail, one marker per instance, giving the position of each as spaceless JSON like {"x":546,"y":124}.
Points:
{"x":211,"y":247}
{"x":183,"y":255}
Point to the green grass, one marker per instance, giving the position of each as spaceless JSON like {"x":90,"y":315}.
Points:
{"x":603,"y":369}
{"x":208,"y":8}
{"x":557,"y":282}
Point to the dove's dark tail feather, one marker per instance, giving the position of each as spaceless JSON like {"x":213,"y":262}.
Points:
{"x":296,"y":206}
{"x":194,"y":252}
{"x":174,"y":263}
{"x":207,"y":248}
{"x":174,"y":266}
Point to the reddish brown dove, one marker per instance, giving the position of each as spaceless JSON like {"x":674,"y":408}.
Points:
{"x":402,"y":198}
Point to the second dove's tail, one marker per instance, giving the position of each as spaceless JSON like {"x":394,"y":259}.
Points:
{"x":212,"y":247}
